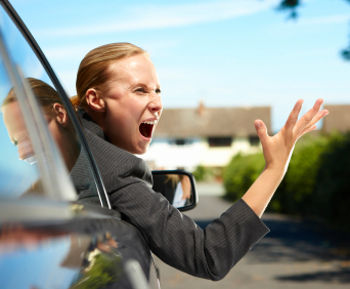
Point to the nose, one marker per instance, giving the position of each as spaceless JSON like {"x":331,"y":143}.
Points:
{"x":25,"y":149}
{"x":156,"y":105}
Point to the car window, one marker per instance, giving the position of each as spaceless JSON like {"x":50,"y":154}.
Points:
{"x":40,"y":148}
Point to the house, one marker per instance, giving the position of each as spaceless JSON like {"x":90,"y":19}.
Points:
{"x":338,"y":119}
{"x":208,"y":136}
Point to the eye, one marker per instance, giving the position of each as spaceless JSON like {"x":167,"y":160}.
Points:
{"x":15,"y":142}
{"x":158,"y":91}
{"x":140,"y":90}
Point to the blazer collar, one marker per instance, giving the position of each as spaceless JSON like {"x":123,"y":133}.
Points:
{"x":89,"y":124}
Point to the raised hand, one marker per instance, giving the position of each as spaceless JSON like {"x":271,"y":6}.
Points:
{"x":278,"y":149}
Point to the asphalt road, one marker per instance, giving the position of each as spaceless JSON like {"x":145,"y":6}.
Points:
{"x":295,"y":254}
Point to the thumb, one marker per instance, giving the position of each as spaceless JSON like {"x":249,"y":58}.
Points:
{"x":261,"y":130}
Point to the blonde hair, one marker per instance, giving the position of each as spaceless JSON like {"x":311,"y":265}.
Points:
{"x":44,"y":93}
{"x":93,"y":69}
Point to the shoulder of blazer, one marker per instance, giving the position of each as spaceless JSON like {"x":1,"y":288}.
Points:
{"x":112,"y":160}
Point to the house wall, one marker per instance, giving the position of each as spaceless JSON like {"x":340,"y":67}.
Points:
{"x":167,"y":155}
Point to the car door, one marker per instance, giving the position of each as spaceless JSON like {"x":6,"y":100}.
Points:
{"x":56,"y":226}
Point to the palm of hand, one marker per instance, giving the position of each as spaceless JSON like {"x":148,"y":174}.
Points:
{"x":278,"y":149}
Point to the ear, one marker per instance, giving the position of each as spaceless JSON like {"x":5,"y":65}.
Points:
{"x":60,"y":114}
{"x":94,"y":100}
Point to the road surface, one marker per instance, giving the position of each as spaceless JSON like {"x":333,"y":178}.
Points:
{"x":295,"y":254}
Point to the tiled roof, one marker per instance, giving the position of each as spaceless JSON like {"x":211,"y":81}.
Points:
{"x":211,"y":121}
{"x":338,"y":118}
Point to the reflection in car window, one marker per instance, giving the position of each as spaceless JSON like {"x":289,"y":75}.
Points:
{"x":19,"y":174}
{"x":16,"y":175}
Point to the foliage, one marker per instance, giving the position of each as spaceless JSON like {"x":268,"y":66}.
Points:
{"x":315,"y":185}
{"x":345,"y":53}
{"x":290,"y":5}
{"x":103,"y":270}
{"x":295,"y":193}
{"x":332,"y":198}
{"x":202,"y":173}
{"x":240,"y":173}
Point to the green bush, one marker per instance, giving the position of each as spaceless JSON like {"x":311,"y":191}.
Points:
{"x":295,"y":193}
{"x":202,"y":173}
{"x":316,"y":183}
{"x":331,"y":196}
{"x":240,"y":173}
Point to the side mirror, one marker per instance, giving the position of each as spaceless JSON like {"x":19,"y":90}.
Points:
{"x":177,"y":186}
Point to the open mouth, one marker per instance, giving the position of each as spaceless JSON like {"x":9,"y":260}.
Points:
{"x":146,"y":129}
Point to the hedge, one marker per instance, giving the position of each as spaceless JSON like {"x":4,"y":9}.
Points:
{"x":240,"y":173}
{"x":315,"y":185}
{"x":332,"y":196}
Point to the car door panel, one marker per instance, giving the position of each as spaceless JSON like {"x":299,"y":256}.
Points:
{"x":56,"y":226}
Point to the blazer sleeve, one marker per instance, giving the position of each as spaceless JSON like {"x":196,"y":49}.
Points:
{"x":172,"y":236}
{"x":177,"y":240}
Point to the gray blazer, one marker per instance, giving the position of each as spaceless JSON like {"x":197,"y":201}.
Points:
{"x":172,"y":236}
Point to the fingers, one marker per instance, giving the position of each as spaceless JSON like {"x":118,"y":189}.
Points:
{"x":307,"y":117}
{"x":293,"y":116}
{"x":321,"y":114}
{"x":310,"y":118}
{"x":261,"y":130}
{"x":307,"y":130}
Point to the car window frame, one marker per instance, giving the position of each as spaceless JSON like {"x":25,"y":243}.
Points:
{"x":11,"y":12}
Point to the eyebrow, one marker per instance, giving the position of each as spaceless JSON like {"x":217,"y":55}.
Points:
{"x":144,"y":85}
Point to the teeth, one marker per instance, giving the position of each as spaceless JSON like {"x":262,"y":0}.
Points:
{"x":150,"y":122}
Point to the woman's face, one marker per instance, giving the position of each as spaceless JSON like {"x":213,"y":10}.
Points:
{"x":132,"y":103}
{"x":17,"y":131}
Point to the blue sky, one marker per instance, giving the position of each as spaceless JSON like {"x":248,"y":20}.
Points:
{"x":225,"y":53}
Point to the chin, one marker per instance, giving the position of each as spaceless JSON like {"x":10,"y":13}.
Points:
{"x":141,"y":150}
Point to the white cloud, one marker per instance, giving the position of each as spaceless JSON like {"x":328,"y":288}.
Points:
{"x":62,"y":51}
{"x":164,"y":16}
{"x":74,"y":52}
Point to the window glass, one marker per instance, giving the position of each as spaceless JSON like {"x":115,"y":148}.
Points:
{"x":220,"y":141}
{"x":254,"y":140}
{"x":16,"y":175}
{"x":21,"y":172}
